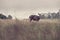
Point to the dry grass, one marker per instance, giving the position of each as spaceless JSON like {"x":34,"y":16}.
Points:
{"x":25,"y":30}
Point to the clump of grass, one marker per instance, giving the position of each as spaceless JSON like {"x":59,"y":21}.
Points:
{"x":25,"y":30}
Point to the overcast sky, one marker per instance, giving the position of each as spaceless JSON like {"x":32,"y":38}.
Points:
{"x":20,"y":8}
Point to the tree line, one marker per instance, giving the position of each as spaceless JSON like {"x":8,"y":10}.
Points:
{"x":2,"y":16}
{"x":50,"y":15}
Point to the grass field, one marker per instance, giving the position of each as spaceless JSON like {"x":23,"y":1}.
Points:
{"x":45,"y":29}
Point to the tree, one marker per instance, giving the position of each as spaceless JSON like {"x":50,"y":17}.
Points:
{"x":43,"y":16}
{"x":9,"y":17}
{"x":53,"y":15}
{"x":49,"y":16}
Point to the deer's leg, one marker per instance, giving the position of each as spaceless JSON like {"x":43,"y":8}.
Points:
{"x":30,"y":20}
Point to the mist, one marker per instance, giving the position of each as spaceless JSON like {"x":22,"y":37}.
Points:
{"x":23,"y":8}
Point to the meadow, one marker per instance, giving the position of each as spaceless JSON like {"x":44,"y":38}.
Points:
{"x":45,"y":29}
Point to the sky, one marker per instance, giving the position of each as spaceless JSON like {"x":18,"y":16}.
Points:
{"x":23,"y":8}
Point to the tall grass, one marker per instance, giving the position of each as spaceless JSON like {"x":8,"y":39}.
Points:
{"x":25,"y":30}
